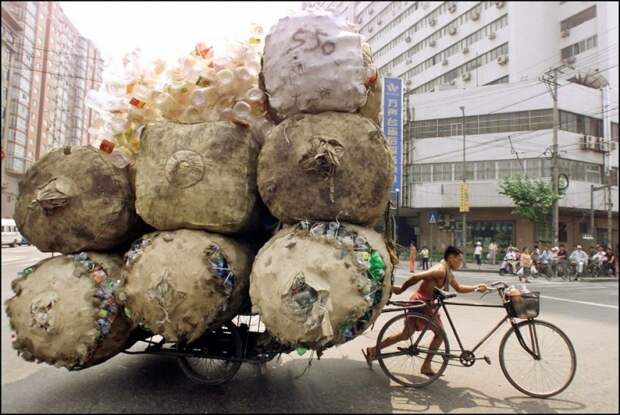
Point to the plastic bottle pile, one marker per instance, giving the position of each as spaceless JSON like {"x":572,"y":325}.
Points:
{"x":317,"y":283}
{"x":201,"y":86}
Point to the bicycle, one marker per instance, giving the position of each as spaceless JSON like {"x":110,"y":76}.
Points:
{"x":520,"y":349}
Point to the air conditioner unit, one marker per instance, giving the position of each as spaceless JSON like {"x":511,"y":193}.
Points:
{"x":585,"y":145}
{"x":433,"y":89}
{"x":466,"y":76}
{"x":452,"y":7}
{"x":432,"y":22}
{"x":445,"y":62}
{"x":502,"y":60}
{"x":492,"y":35}
{"x":452,"y":83}
{"x":408,"y":82}
{"x":379,"y":21}
{"x":565,"y":33}
{"x":370,"y":30}
{"x":452,"y":30}
{"x":475,"y":15}
{"x":408,"y":39}
{"x":465,"y":50}
{"x":425,"y":5}
{"x":432,"y":43}
{"x":360,"y":20}
{"x":409,"y":61}
{"x":371,"y":11}
{"x":570,"y":60}
{"x":499,"y":4}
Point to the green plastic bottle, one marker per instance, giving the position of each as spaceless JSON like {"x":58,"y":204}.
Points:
{"x":377,"y":266}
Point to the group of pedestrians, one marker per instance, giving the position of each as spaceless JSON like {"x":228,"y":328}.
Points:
{"x":557,"y":259}
{"x":525,"y":262}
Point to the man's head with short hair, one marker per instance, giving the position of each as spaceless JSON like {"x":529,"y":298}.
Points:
{"x":453,"y":256}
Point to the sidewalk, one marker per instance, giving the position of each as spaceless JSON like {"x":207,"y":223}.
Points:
{"x":403,"y":267}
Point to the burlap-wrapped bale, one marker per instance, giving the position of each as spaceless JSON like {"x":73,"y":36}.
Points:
{"x":178,"y":283}
{"x":315,"y":62}
{"x":326,"y":166}
{"x":197,"y":176}
{"x":318,"y":284}
{"x":65,"y":313}
{"x":74,"y":199}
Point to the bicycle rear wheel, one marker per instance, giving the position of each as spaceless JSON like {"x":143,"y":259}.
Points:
{"x":402,"y":361}
{"x":539,"y":378}
{"x":224,"y":342}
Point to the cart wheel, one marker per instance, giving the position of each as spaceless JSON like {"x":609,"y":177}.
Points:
{"x":225,"y":341}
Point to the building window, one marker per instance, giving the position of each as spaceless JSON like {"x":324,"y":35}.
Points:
{"x":593,"y":173}
{"x":500,"y":232}
{"x":442,"y":172}
{"x":579,"y":47}
{"x":579,"y":18}
{"x":502,"y":80}
{"x":614,"y":131}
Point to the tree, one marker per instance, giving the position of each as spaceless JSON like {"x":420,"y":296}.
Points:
{"x":533,"y":200}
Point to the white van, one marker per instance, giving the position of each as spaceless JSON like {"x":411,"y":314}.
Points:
{"x":10,"y":234}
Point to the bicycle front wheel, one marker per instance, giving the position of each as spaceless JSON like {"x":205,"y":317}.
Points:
{"x":547,"y":373}
{"x":403,"y":360}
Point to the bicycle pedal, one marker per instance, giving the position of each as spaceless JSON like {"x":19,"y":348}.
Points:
{"x":487,"y":359}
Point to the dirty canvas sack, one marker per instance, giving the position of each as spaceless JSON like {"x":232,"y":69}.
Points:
{"x":318,"y":284}
{"x":326,"y":166}
{"x":197,"y":176}
{"x":315,"y":62}
{"x":74,"y":199}
{"x":65,"y":312}
{"x":179,"y":283}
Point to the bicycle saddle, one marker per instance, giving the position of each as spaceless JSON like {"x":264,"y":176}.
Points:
{"x":439,"y":293}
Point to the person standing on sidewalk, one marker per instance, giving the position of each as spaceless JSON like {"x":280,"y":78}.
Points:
{"x":478,"y":253}
{"x":526,"y":265}
{"x":492,"y":252}
{"x":425,"y":254}
{"x":413,"y":253}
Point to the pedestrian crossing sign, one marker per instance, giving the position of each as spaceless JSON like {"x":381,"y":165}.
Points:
{"x":432,"y":218}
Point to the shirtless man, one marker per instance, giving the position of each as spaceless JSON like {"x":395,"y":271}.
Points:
{"x":439,"y":276}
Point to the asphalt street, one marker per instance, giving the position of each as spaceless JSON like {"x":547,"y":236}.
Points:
{"x":340,"y":382}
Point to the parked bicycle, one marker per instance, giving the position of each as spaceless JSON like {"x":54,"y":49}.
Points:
{"x":535,"y":356}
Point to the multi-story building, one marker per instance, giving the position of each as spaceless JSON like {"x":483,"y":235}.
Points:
{"x":52,"y":69}
{"x":489,"y":57}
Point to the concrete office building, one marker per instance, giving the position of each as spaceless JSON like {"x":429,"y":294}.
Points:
{"x":488,"y":57}
{"x":47,"y":69}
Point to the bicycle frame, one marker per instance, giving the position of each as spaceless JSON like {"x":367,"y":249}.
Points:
{"x":441,"y":304}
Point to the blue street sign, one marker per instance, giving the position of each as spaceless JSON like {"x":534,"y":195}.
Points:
{"x":433,"y":216}
{"x":393,"y":123}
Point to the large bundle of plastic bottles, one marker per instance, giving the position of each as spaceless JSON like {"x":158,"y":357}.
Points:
{"x":204,"y":85}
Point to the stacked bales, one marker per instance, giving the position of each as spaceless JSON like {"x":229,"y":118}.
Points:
{"x":179,"y":283}
{"x":65,"y":312}
{"x":321,"y":282}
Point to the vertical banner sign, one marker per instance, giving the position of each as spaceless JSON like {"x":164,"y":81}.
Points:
{"x":393,"y":124}
{"x":464,"y":202}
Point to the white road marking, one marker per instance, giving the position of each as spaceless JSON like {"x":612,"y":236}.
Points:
{"x":580,"y":302}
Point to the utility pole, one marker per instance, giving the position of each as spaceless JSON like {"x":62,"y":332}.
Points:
{"x":464,"y":185}
{"x":550,"y":78}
